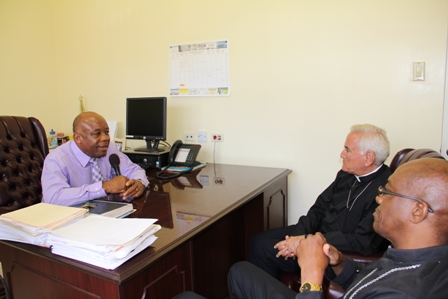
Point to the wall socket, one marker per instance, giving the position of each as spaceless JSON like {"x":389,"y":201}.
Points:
{"x":219,"y":181}
{"x":189,"y":137}
{"x":202,"y":136}
{"x":204,"y":180}
{"x":217,"y":137}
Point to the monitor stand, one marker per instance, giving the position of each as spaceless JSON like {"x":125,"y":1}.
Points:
{"x":150,"y":148}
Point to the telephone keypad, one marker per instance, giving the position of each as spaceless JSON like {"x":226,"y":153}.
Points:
{"x":190,"y":156}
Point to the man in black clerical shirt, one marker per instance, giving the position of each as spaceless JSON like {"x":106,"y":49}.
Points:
{"x":412,"y":214}
{"x":343,"y":212}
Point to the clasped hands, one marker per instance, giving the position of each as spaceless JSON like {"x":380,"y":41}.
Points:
{"x":312,"y":251}
{"x":288,"y":247}
{"x":124,"y":187}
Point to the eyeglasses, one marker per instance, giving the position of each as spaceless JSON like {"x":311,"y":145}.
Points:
{"x":382,"y":190}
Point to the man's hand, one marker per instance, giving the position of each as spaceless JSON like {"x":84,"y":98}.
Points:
{"x":336,"y":258}
{"x":134,"y":189}
{"x":116,"y":184}
{"x":288,"y":247}
{"x":312,"y":259}
{"x":124,"y":187}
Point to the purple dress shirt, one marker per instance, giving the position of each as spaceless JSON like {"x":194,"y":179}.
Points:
{"x":67,"y":174}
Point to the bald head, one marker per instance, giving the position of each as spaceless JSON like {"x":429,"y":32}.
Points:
{"x":427,"y":179}
{"x":85,"y":118}
{"x":403,"y":215}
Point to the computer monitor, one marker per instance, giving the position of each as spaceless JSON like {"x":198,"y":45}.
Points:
{"x":146,"y":119}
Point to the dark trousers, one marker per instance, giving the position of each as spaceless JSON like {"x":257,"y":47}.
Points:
{"x":249,"y":282}
{"x":262,"y":252}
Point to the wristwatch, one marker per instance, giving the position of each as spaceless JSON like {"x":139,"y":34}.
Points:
{"x":310,"y":287}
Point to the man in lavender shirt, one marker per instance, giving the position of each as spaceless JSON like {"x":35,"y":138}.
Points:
{"x":67,"y":173}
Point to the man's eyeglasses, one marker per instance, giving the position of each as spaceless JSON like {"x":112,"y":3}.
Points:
{"x":382,"y":190}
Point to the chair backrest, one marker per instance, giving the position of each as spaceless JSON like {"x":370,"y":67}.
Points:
{"x":409,"y":154}
{"x":23,"y":147}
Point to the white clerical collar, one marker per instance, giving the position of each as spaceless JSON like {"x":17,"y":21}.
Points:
{"x":357,"y":177}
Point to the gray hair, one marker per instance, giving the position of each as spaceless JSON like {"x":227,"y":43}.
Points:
{"x":373,"y":139}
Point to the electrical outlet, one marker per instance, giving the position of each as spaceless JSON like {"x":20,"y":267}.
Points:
{"x":202,"y":136}
{"x":189,"y":137}
{"x":203,"y":179}
{"x":217,"y":137}
{"x":219,"y":181}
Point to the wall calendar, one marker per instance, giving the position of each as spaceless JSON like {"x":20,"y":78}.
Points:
{"x":200,"y":69}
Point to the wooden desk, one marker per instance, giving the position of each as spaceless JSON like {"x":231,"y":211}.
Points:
{"x":237,"y":202}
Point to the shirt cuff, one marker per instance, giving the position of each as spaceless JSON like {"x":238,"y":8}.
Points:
{"x":143,"y":183}
{"x":347,"y":273}
{"x":96,"y":189}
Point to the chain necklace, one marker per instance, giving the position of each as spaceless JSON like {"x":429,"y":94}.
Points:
{"x":350,"y":194}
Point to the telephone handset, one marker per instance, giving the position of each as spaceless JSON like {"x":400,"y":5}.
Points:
{"x":181,"y":154}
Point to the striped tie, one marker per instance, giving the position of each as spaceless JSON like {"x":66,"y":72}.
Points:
{"x":96,"y":173}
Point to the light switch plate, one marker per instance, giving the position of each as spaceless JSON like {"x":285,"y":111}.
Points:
{"x":419,"y":71}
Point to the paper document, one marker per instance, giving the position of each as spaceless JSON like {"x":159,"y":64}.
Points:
{"x":44,"y":215}
{"x":103,"y":241}
{"x":99,"y":260}
{"x":102,"y":230}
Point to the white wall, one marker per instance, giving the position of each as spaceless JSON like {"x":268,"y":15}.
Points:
{"x":302,"y":72}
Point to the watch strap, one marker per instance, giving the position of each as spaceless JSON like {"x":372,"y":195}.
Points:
{"x":310,"y":287}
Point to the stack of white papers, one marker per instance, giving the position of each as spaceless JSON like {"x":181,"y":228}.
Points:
{"x":103,"y":241}
{"x":33,"y":224}
{"x":95,"y":239}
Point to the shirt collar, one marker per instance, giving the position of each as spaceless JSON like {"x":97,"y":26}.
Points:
{"x":358,"y":178}
{"x":79,"y":155}
{"x":435,"y":253}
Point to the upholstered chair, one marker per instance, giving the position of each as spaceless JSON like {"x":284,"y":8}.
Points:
{"x":23,"y":147}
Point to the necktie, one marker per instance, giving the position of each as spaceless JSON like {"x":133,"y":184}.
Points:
{"x":96,"y":173}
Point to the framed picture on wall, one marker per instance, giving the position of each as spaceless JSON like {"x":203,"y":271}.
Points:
{"x":120,"y":143}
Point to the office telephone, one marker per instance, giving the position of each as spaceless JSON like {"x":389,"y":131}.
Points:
{"x":181,"y":154}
